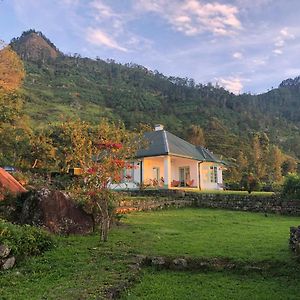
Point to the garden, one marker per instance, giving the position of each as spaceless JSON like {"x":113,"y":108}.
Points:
{"x":243,"y":255}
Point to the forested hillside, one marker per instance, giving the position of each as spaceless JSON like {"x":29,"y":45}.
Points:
{"x":257,"y":133}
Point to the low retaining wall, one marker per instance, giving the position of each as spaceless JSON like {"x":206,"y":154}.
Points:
{"x":139,"y":204}
{"x":294,"y":240}
{"x":267,"y":204}
{"x":253,"y":203}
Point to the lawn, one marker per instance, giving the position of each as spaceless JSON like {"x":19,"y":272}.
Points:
{"x":169,"y":285}
{"x":82,"y":268}
{"x":208,"y":233}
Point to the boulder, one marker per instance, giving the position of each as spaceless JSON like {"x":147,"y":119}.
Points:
{"x":8,"y":263}
{"x":158,"y":262}
{"x":179,"y":264}
{"x":4,"y":251}
{"x":56,"y":211}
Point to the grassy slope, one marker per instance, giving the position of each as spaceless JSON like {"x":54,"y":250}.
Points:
{"x":80,"y":268}
{"x":77,"y":269}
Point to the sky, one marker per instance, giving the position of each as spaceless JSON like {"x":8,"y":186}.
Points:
{"x":244,"y":46}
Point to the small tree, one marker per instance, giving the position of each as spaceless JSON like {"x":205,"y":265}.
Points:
{"x":101,"y":152}
{"x":11,"y":69}
{"x":291,"y":186}
{"x":112,"y":146}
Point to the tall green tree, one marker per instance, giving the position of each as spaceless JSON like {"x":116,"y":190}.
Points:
{"x":195,"y":135}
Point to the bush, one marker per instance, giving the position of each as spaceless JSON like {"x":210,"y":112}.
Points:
{"x":271,"y":187}
{"x":291,"y":186}
{"x":24,"y":240}
{"x":232,"y":186}
{"x":250,"y":183}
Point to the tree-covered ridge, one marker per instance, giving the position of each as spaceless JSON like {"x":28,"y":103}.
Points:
{"x":72,"y":85}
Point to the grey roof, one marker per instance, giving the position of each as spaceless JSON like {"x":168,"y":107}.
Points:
{"x":162,"y":142}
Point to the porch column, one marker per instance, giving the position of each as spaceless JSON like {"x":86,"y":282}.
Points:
{"x":198,"y":175}
{"x":142,"y":171}
{"x":167,"y":172}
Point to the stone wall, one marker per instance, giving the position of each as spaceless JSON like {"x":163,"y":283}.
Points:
{"x":241,"y":202}
{"x":142,"y":204}
{"x":266,"y":204}
{"x":294,"y":240}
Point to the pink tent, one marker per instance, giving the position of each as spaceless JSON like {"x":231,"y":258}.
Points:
{"x":9,"y":183}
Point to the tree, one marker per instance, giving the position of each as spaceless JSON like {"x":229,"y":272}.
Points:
{"x":112,"y":146}
{"x":11,"y":69}
{"x":275,"y":164}
{"x":260,"y":153}
{"x":101,"y":151}
{"x":195,"y":135}
{"x":72,"y":140}
{"x":289,"y":165}
{"x":14,"y":129}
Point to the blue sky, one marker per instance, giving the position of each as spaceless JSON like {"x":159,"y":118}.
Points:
{"x":245,"y":46}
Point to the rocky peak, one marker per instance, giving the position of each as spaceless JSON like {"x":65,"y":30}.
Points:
{"x":34,"y":46}
{"x":290,"y":82}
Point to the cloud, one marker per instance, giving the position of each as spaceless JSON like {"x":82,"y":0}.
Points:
{"x":232,"y":84}
{"x":102,"y":10}
{"x":114,"y":26}
{"x":277,"y":51}
{"x":97,"y":37}
{"x":193,"y":17}
{"x":257,"y":61}
{"x":282,"y":38}
{"x":237,"y":55}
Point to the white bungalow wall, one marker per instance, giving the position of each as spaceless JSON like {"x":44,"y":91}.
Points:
{"x":178,"y":162}
{"x":148,"y":164}
{"x":205,"y":177}
{"x":132,"y":183}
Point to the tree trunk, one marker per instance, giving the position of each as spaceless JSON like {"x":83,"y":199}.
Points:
{"x":104,"y":227}
{"x":104,"y":222}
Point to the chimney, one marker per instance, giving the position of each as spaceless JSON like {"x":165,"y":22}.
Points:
{"x":158,"y":127}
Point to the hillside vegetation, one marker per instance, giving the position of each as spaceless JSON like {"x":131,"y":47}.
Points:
{"x":232,"y":126}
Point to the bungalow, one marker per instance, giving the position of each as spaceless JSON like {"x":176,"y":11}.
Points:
{"x":170,"y":162}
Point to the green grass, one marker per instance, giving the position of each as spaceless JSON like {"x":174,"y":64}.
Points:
{"x":209,"y":233}
{"x":79,"y":267}
{"x":213,"y":285}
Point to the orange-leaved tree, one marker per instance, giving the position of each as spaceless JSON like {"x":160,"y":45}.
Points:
{"x":112,"y":146}
{"x":11,"y":69}
{"x":101,"y":152}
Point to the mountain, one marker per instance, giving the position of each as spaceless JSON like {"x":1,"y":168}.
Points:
{"x":59,"y":85}
{"x":290,"y":82}
{"x":34,"y":46}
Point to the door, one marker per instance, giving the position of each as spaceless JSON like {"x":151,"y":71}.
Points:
{"x":184,"y":175}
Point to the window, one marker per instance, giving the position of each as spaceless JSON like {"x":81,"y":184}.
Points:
{"x":156,"y":173}
{"x":214,"y":174}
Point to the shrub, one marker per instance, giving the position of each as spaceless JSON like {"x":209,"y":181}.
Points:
{"x":291,"y":186}
{"x":250,"y":183}
{"x":24,"y":240}
{"x":232,"y":186}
